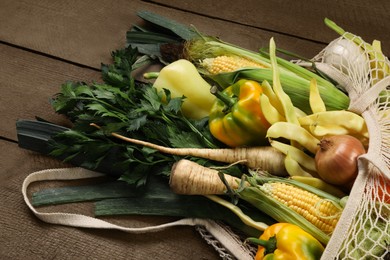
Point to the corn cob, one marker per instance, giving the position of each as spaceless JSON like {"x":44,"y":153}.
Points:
{"x":225,"y":63}
{"x":295,"y":79}
{"x":320,"y":212}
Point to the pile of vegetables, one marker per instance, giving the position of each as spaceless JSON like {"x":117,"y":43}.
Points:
{"x":267,"y":142}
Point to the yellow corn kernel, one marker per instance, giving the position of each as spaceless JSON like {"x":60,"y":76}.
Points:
{"x":320,"y":212}
{"x":225,"y":63}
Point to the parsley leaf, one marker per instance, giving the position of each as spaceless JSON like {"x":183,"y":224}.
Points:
{"x":128,"y":107}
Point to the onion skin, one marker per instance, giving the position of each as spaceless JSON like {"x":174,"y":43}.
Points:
{"x":336,"y":159}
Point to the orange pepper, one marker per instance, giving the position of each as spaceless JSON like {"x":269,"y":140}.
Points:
{"x":236,"y":118}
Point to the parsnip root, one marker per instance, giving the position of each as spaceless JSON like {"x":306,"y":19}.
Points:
{"x":264,"y":158}
{"x":190,"y":178}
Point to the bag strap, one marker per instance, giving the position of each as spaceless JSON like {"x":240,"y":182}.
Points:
{"x":361,"y":103}
{"x":227,"y":240}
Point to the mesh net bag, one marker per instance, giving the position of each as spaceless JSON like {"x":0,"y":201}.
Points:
{"x":363,"y":231}
{"x":361,"y":69}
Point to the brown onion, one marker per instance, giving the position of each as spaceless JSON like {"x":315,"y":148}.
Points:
{"x":336,"y":159}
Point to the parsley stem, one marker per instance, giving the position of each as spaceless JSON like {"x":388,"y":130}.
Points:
{"x":166,"y":118}
{"x":193,"y":128}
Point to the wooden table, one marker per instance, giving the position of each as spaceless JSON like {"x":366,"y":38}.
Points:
{"x":45,"y":43}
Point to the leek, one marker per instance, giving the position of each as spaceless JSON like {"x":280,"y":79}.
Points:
{"x":197,"y":47}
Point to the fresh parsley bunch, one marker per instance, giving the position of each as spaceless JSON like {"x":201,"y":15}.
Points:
{"x":131,"y":108}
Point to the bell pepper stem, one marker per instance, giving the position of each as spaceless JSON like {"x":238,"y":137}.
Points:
{"x":269,"y":245}
{"x":229,"y":102}
{"x":151,"y":75}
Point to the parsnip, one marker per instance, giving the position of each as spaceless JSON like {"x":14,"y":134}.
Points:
{"x":199,"y":180}
{"x":265,"y":158}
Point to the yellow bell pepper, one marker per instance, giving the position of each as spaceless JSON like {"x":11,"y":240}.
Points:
{"x":285,"y":241}
{"x":181,"y":78}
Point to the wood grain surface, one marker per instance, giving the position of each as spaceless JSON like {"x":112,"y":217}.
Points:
{"x":23,"y":236}
{"x":303,"y":19}
{"x":45,"y":43}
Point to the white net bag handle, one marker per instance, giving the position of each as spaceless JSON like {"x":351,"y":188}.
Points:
{"x":229,"y":246}
{"x":363,"y":231}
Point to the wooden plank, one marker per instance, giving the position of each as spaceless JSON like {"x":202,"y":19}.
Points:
{"x":24,"y":236}
{"x":27,"y":83}
{"x":241,"y":35}
{"x":29,"y":79}
{"x":304,"y":19}
{"x":85,"y":35}
{"x":80,"y":31}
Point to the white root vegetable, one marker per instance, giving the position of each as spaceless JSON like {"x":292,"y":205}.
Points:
{"x":265,"y":158}
{"x":190,"y":178}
